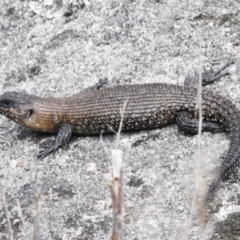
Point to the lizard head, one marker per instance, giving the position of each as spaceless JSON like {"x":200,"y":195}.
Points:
{"x":17,"y":106}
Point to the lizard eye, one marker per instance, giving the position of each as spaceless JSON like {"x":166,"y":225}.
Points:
{"x":7,"y":103}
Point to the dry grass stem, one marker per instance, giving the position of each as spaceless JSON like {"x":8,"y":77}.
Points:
{"x":7,"y":215}
{"x":35,"y":226}
{"x":121,"y":122}
{"x":20,"y":211}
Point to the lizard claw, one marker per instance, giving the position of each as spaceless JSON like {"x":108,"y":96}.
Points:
{"x":44,"y":152}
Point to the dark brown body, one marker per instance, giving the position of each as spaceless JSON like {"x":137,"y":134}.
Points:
{"x":147,"y":106}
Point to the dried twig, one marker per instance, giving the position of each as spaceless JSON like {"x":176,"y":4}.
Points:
{"x":117,"y":195}
{"x":116,"y":185}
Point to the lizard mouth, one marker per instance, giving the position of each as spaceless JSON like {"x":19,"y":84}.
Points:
{"x":16,"y":114}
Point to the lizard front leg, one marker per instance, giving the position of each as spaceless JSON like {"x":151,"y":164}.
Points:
{"x":64,"y":133}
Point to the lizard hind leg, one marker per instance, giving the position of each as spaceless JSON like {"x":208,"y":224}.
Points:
{"x":189,"y":124}
{"x":208,"y":77}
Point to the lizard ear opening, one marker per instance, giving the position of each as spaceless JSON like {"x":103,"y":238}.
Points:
{"x":27,"y":113}
{"x":30,"y":112}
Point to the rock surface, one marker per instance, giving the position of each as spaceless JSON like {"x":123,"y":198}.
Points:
{"x":57,"y":48}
